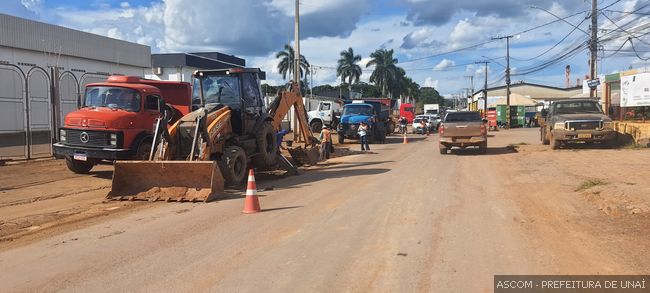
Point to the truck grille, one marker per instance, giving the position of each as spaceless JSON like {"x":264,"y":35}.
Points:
{"x":95,"y":138}
{"x":584,"y":125}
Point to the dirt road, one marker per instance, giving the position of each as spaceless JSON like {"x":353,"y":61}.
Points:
{"x":402,"y":218}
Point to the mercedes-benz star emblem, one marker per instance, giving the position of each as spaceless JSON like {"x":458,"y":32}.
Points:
{"x":84,"y":137}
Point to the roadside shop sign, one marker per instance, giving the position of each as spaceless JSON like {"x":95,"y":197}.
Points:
{"x":635,"y":90}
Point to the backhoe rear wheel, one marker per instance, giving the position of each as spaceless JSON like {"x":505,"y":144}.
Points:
{"x":233,"y":165}
{"x":267,"y":146}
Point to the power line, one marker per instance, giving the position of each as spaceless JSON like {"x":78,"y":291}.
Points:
{"x":637,"y":13}
{"x":637,"y":53}
{"x":448,"y":52}
{"x":630,"y":34}
{"x":553,"y":47}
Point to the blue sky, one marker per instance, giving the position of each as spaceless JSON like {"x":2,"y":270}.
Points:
{"x":421,"y":32}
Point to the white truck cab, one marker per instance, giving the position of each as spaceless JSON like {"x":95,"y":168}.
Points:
{"x":325,"y":114}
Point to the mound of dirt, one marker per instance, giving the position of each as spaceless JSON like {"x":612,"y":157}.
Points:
{"x":619,"y":199}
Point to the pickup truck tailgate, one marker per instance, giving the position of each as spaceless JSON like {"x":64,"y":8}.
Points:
{"x":462,"y":129}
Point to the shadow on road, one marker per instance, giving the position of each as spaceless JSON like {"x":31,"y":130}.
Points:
{"x":400,"y":139}
{"x":283,"y":208}
{"x":342,"y":165}
{"x":104,"y":174}
{"x":492,"y":151}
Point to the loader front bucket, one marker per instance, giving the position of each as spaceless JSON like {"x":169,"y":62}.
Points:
{"x":166,"y":180}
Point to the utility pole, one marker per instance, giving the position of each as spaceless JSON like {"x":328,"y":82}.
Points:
{"x":471,"y":88}
{"x":296,"y":68}
{"x":311,"y":87}
{"x":484,"y":87}
{"x":296,"y":45}
{"x":593,"y":45}
{"x":507,"y":77}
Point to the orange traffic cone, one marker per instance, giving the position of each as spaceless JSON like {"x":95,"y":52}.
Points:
{"x":405,"y":139}
{"x":251,"y":203}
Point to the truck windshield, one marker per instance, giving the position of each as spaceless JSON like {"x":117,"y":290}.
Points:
{"x":463,"y":117}
{"x":219,"y":89}
{"x":357,"y":110}
{"x":112,"y":97}
{"x":577,"y":107}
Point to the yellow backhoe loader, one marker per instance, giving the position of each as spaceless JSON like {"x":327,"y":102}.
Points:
{"x":228,"y":131}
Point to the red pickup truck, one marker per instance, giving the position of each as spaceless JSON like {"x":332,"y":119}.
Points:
{"x":116,"y":120}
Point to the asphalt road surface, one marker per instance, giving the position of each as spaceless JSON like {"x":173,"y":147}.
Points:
{"x":402,"y":218}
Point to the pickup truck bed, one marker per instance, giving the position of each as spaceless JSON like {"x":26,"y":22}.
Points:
{"x":462,"y":129}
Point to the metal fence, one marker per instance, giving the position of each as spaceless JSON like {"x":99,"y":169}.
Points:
{"x":33,"y":105}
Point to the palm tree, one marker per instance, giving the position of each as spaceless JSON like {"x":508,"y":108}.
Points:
{"x":348,"y":68}
{"x":385,"y":72}
{"x":286,"y":64}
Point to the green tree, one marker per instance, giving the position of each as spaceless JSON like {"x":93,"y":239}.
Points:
{"x":287,"y":60}
{"x":385,"y":73}
{"x":429,"y":95}
{"x":348,"y":69}
{"x":367,"y":90}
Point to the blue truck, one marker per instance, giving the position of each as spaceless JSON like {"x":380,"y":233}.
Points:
{"x":370,"y":112}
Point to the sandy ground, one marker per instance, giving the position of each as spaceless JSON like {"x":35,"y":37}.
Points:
{"x":399,"y":218}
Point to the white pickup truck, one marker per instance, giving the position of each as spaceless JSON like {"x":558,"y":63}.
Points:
{"x":326,"y":114}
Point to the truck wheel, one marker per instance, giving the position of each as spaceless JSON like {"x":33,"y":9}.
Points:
{"x":233,"y":166}
{"x":391,"y":128}
{"x":555,"y":144}
{"x":79,"y":167}
{"x":543,"y":136}
{"x":341,"y":139}
{"x":143,"y":151}
{"x":316,"y":126}
{"x":266,"y":145}
{"x":443,"y":149}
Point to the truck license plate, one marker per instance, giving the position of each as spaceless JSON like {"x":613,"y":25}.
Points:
{"x":80,"y":157}
{"x":584,"y":135}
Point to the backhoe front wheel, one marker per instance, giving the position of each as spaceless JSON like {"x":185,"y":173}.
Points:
{"x":233,"y":166}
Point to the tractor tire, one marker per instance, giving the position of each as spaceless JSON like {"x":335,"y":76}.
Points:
{"x":267,"y":146}
{"x":316,"y":126}
{"x":79,"y":167}
{"x":233,"y":166}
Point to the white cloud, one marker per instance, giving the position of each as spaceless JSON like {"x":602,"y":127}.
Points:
{"x":430,"y":82}
{"x":444,"y":64}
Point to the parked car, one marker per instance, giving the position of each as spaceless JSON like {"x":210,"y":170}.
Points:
{"x":576,"y":121}
{"x":463,"y":129}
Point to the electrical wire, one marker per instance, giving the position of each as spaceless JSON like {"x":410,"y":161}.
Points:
{"x":623,"y":30}
{"x":637,"y":53}
{"x":553,"y":47}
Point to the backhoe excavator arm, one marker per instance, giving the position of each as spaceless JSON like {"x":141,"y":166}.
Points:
{"x":281,"y":106}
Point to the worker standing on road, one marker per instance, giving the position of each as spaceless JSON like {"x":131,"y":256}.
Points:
{"x":325,"y":143}
{"x":363,"y":135}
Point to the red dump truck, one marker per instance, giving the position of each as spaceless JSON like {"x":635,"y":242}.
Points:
{"x":116,"y":120}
